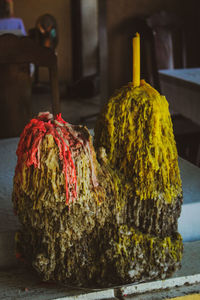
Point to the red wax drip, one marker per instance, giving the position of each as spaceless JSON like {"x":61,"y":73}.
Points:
{"x":28,"y":148}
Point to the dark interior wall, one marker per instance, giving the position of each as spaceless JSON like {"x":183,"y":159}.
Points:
{"x":191,"y":13}
{"x":120,"y":14}
{"x":30,"y":10}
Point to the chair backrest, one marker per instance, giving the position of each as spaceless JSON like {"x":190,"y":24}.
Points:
{"x":148,"y":59}
{"x":162,"y":44}
{"x":16,"y":53}
{"x":169,"y":39}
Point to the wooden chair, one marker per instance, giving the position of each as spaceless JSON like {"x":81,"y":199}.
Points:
{"x":45,"y":34}
{"x":125,"y":31}
{"x":16,"y":54}
{"x":169,"y":40}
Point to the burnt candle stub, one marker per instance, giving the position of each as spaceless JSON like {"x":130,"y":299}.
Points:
{"x":106,"y":214}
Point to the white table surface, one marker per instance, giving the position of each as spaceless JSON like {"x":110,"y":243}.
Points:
{"x":191,"y":75}
{"x":181,"y":88}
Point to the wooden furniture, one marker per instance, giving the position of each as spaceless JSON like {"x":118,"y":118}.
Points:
{"x":45,"y":34}
{"x":16,"y":54}
{"x":122,"y":35}
{"x":169,"y":39}
{"x":169,"y":47}
{"x":182,"y":90}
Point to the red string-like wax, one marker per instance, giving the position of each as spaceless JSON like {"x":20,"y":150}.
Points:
{"x":29,"y":148}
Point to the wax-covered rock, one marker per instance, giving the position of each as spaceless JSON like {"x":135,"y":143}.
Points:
{"x":103,"y":216}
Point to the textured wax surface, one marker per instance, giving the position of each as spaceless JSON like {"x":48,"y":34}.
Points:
{"x":137,"y":122}
{"x":116,"y":221}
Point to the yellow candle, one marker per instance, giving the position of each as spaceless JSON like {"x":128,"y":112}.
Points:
{"x":136,"y":60}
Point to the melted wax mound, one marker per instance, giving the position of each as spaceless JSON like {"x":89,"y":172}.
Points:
{"x":106,"y":215}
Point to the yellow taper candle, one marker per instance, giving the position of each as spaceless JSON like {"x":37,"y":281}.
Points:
{"x":136,"y":60}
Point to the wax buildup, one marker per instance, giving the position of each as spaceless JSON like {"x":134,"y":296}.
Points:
{"x":102,"y":215}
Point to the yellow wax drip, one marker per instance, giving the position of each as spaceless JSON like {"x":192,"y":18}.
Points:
{"x":136,"y":131}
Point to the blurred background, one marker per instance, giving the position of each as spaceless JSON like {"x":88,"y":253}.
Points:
{"x":79,"y":37}
{"x":92,"y":41}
